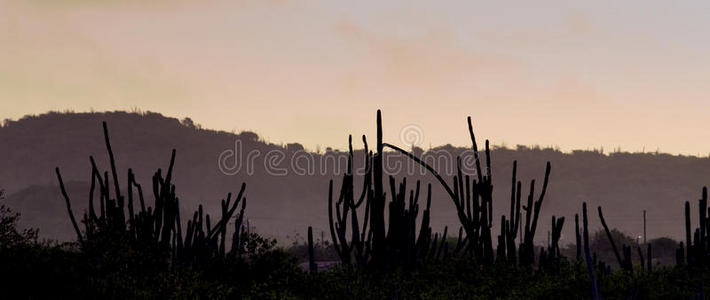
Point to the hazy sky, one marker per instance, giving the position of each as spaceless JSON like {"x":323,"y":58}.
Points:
{"x":632,"y":74}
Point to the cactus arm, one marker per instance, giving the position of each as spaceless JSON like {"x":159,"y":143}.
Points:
{"x":587,"y":255}
{"x":69,"y":210}
{"x":608,"y":235}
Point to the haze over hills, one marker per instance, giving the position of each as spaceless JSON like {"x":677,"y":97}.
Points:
{"x":287,"y":187}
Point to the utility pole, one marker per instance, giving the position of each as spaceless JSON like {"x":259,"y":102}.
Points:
{"x":644,"y":227}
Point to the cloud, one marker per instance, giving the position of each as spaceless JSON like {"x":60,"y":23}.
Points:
{"x":521,"y":71}
{"x":434,"y":57}
{"x":572,"y":25}
{"x":46,"y":63}
{"x":74,"y":4}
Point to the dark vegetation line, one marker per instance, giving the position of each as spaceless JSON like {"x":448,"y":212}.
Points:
{"x":138,"y":250}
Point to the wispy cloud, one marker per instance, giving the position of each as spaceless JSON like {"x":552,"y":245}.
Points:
{"x":565,"y":73}
{"x":433,"y":58}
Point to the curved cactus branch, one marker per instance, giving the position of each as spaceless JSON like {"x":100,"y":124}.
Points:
{"x":427,"y":166}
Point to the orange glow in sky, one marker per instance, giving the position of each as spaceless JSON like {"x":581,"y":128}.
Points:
{"x":574,"y":75}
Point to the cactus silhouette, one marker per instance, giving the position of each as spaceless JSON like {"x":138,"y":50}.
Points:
{"x":695,"y":250}
{"x":401,"y":245}
{"x":587,"y":256}
{"x":474,"y":209}
{"x":159,"y":226}
{"x":375,"y":246}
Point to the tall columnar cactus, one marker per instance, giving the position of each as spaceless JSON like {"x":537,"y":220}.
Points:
{"x":625,"y":262}
{"x":157,"y":227}
{"x":550,"y":258}
{"x":649,"y":256}
{"x":680,"y":255}
{"x":378,"y":246}
{"x":587,"y":254}
{"x":688,"y":242}
{"x":533,"y":210}
{"x":474,"y":205}
{"x":577,"y":237}
{"x":642,"y":261}
{"x":697,"y":241}
{"x":401,"y":245}
{"x":346,"y":204}
{"x":557,"y":224}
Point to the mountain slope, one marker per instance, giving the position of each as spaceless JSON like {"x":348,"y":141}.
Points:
{"x":284,"y":205}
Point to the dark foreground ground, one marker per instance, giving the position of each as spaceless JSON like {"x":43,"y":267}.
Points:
{"x":31,"y":270}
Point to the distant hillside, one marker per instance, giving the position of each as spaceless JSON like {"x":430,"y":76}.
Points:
{"x":284,"y":205}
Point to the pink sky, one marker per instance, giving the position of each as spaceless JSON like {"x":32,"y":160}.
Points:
{"x":573,"y":75}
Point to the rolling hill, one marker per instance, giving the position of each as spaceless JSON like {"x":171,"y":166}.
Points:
{"x":287,"y":187}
